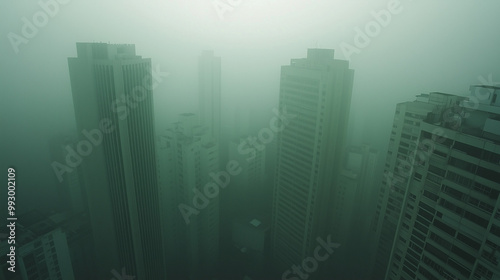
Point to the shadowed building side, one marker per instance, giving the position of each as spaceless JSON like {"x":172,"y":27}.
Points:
{"x":113,"y":102}
{"x":449,"y":225}
{"x":317,"y":91}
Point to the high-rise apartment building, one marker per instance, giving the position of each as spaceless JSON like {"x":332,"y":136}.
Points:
{"x":172,"y":223}
{"x":405,"y":131}
{"x":209,"y":79}
{"x":317,"y":91}
{"x":445,"y":166}
{"x":49,"y":246}
{"x":41,"y":257}
{"x":112,"y":96}
{"x":190,"y":158}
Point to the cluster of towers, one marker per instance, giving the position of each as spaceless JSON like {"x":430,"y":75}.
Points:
{"x":179,"y":203}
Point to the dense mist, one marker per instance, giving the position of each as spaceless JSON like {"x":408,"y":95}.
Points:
{"x":415,"y":47}
{"x":428,"y":46}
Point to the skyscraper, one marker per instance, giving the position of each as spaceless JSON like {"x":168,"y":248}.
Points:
{"x":172,"y":223}
{"x":194,"y":160}
{"x":209,"y":67}
{"x":112,"y":95}
{"x":449,"y":226}
{"x":405,"y":131}
{"x":317,"y":90}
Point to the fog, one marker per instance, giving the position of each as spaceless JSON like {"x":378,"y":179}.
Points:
{"x":443,"y":46}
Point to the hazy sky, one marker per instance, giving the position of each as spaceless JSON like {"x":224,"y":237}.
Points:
{"x":425,"y":46}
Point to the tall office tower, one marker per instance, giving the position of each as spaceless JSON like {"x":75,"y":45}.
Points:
{"x":209,"y":67}
{"x":353,"y":205}
{"x":449,"y":226}
{"x":112,"y":95}
{"x":317,"y":90}
{"x":195,"y":161}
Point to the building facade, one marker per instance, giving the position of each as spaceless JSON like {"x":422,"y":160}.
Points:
{"x":447,"y":227}
{"x":209,"y":79}
{"x":405,"y":130}
{"x":317,"y":91}
{"x":112,"y":96}
{"x":194,"y":158}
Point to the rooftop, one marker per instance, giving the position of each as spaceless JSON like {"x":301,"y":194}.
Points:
{"x":106,"y":51}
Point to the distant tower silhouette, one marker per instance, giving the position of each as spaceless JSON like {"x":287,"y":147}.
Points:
{"x":209,"y":67}
{"x":189,"y":157}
